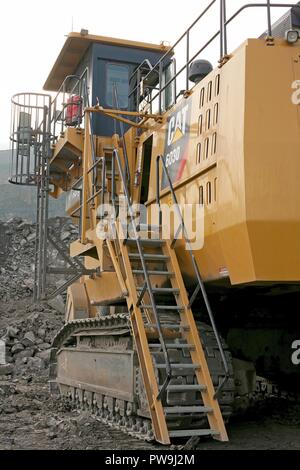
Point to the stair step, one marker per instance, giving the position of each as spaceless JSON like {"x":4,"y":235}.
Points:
{"x":186,"y":388}
{"x":192,"y":432}
{"x":154,"y":273}
{"x":176,"y":308}
{"x":179,"y":366}
{"x":149,"y":228}
{"x":173,"y":346}
{"x":174,"y":410}
{"x":145,"y":242}
{"x":169,"y":325}
{"x":149,"y":257}
{"x":161,"y":290}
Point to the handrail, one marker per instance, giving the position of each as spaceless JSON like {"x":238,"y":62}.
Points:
{"x":171,"y":49}
{"x":194,"y":263}
{"x":122,"y":129}
{"x":145,"y":271}
{"x":100,"y":191}
{"x":62,"y":90}
{"x":222,"y":32}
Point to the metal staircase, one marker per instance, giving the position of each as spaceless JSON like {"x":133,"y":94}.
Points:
{"x":172,"y":360}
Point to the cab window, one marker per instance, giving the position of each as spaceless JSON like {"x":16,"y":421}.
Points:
{"x":117,"y":78}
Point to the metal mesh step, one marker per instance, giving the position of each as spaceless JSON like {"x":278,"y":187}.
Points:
{"x":154,"y":273}
{"x":162,"y":290}
{"x":187,"y":409}
{"x":173,"y":346}
{"x":179,"y":366}
{"x":193,"y":432}
{"x":175,"y":308}
{"x":145,"y":242}
{"x":186,"y":388}
{"x":169,"y":325}
{"x":148,"y":257}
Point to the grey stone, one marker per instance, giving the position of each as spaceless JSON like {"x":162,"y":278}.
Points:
{"x":6,"y":389}
{"x":65,"y":235}
{"x":17,"y":348}
{"x":28,"y":282}
{"x":12,"y":332}
{"x":44,"y":346}
{"x":25,"y":353}
{"x":52,"y":422}
{"x":57,"y":304}
{"x":41,"y":333}
{"x":29,"y":339}
{"x":23,"y":225}
{"x":45,"y":355}
{"x":31,"y":237}
{"x":6,"y":369}
{"x":20,"y":361}
{"x":35,"y":363}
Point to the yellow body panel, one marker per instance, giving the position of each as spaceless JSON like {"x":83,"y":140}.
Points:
{"x":243,"y":142}
{"x":252,"y":224}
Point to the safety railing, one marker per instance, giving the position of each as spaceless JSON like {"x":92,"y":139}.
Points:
{"x":29,"y":138}
{"x":200,"y":284}
{"x":67,"y":108}
{"x":157,"y":93}
{"x":77,"y":186}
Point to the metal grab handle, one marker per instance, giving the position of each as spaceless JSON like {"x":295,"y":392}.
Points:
{"x":194,"y":263}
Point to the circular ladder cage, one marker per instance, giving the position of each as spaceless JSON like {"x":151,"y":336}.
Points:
{"x":29,"y":136}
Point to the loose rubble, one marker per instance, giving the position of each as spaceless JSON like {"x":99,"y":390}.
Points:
{"x":17,"y":255}
{"x":28,"y":340}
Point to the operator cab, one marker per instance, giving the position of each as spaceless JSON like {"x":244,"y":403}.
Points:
{"x":110,"y":68}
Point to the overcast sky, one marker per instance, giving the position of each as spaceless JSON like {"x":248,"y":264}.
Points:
{"x":32,"y":33}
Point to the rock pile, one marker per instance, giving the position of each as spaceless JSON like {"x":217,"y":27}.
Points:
{"x":17,"y":255}
{"x":26,"y":328}
{"x":28,"y":340}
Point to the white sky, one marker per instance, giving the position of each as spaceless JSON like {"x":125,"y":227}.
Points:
{"x":32,"y":33}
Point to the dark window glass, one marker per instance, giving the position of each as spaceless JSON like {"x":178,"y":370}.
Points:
{"x":117,"y":78}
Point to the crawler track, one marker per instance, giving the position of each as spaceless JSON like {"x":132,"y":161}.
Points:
{"x":131,"y":417}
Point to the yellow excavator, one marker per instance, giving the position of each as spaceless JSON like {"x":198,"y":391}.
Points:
{"x":184,"y":186}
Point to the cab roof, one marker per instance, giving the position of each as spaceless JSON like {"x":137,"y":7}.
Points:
{"x":75,"y":48}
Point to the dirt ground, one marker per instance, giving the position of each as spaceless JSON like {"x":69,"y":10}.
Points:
{"x":31,"y":419}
